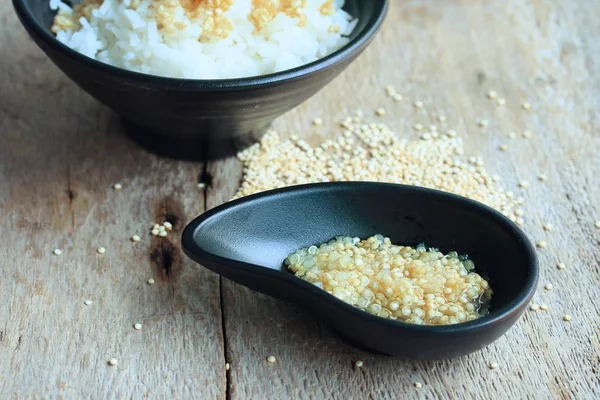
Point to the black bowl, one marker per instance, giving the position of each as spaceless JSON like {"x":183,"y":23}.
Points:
{"x":247,"y":240}
{"x":198,"y":119}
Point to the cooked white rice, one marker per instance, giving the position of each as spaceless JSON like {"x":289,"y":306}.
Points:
{"x":236,"y":39}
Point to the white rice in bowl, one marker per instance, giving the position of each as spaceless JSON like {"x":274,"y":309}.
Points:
{"x":204,"y":39}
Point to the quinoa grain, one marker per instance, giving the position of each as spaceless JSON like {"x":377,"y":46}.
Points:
{"x":414,"y":285}
{"x":492,"y":94}
{"x":377,"y":154}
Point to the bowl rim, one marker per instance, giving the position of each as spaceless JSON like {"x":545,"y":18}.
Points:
{"x":514,"y":306}
{"x":362,"y":39}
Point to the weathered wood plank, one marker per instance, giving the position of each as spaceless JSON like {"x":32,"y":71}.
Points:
{"x":448,"y":55}
{"x":60,"y":154}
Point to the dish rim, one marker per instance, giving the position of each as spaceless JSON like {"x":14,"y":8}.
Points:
{"x":516,"y":305}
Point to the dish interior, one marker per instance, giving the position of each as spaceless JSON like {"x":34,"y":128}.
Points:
{"x":265,"y":230}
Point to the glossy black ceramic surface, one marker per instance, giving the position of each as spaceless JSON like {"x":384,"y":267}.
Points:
{"x":199,"y":119}
{"x":248,"y":239}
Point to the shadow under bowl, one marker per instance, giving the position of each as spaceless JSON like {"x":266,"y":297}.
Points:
{"x":247,"y":241}
{"x":199,"y":119}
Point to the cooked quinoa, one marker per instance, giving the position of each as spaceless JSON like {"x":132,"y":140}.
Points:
{"x":414,"y":285}
{"x":203,"y":39}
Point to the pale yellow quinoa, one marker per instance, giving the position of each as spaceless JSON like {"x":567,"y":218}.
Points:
{"x":414,"y":285}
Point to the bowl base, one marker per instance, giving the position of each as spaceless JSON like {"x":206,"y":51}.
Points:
{"x":198,"y":147}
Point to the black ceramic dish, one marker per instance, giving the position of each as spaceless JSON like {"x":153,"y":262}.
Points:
{"x":247,"y":241}
{"x":197,"y":119}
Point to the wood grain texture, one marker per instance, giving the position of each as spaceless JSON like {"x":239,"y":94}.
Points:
{"x":448,"y":55}
{"x":60,"y":152}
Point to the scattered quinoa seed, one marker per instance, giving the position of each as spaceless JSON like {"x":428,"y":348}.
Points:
{"x":101,"y":250}
{"x":561,"y":265}
{"x":544,"y":307}
{"x":162,"y":228}
{"x":418,"y":385}
{"x":227,"y":366}
{"x":527,"y":134}
{"x":365,"y":151}
{"x":597,"y":224}
{"x":501,"y":101}
{"x":358,"y":364}
{"x":155,"y":232}
{"x":567,"y":318}
{"x":548,"y":286}
{"x":418,"y":104}
{"x":493,"y":365}
{"x":520,"y":221}
{"x":483,"y":123}
{"x":150,"y":281}
{"x":201,"y":185}
{"x":534,"y":307}
{"x":526,"y":106}
{"x":113,"y":362}
{"x":523,"y":184}
{"x":117,"y":186}
{"x":271,"y":360}
{"x":418,"y":127}
{"x":380,"y":111}
{"x":317,"y":121}
{"x":503,"y":147}
{"x":57,"y":252}
{"x":397,"y":97}
{"x":512,"y":135}
{"x":168,"y":226}
{"x":492,"y":94}
{"x":543,"y":177}
{"x":137,"y":326}
{"x":541,"y":244}
{"x":87,"y":302}
{"x":162,"y":233}
{"x":441,"y":118}
{"x":548,"y":227}
{"x":136,"y":238}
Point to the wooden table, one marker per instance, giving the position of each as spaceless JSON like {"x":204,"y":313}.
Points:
{"x":61,"y":152}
